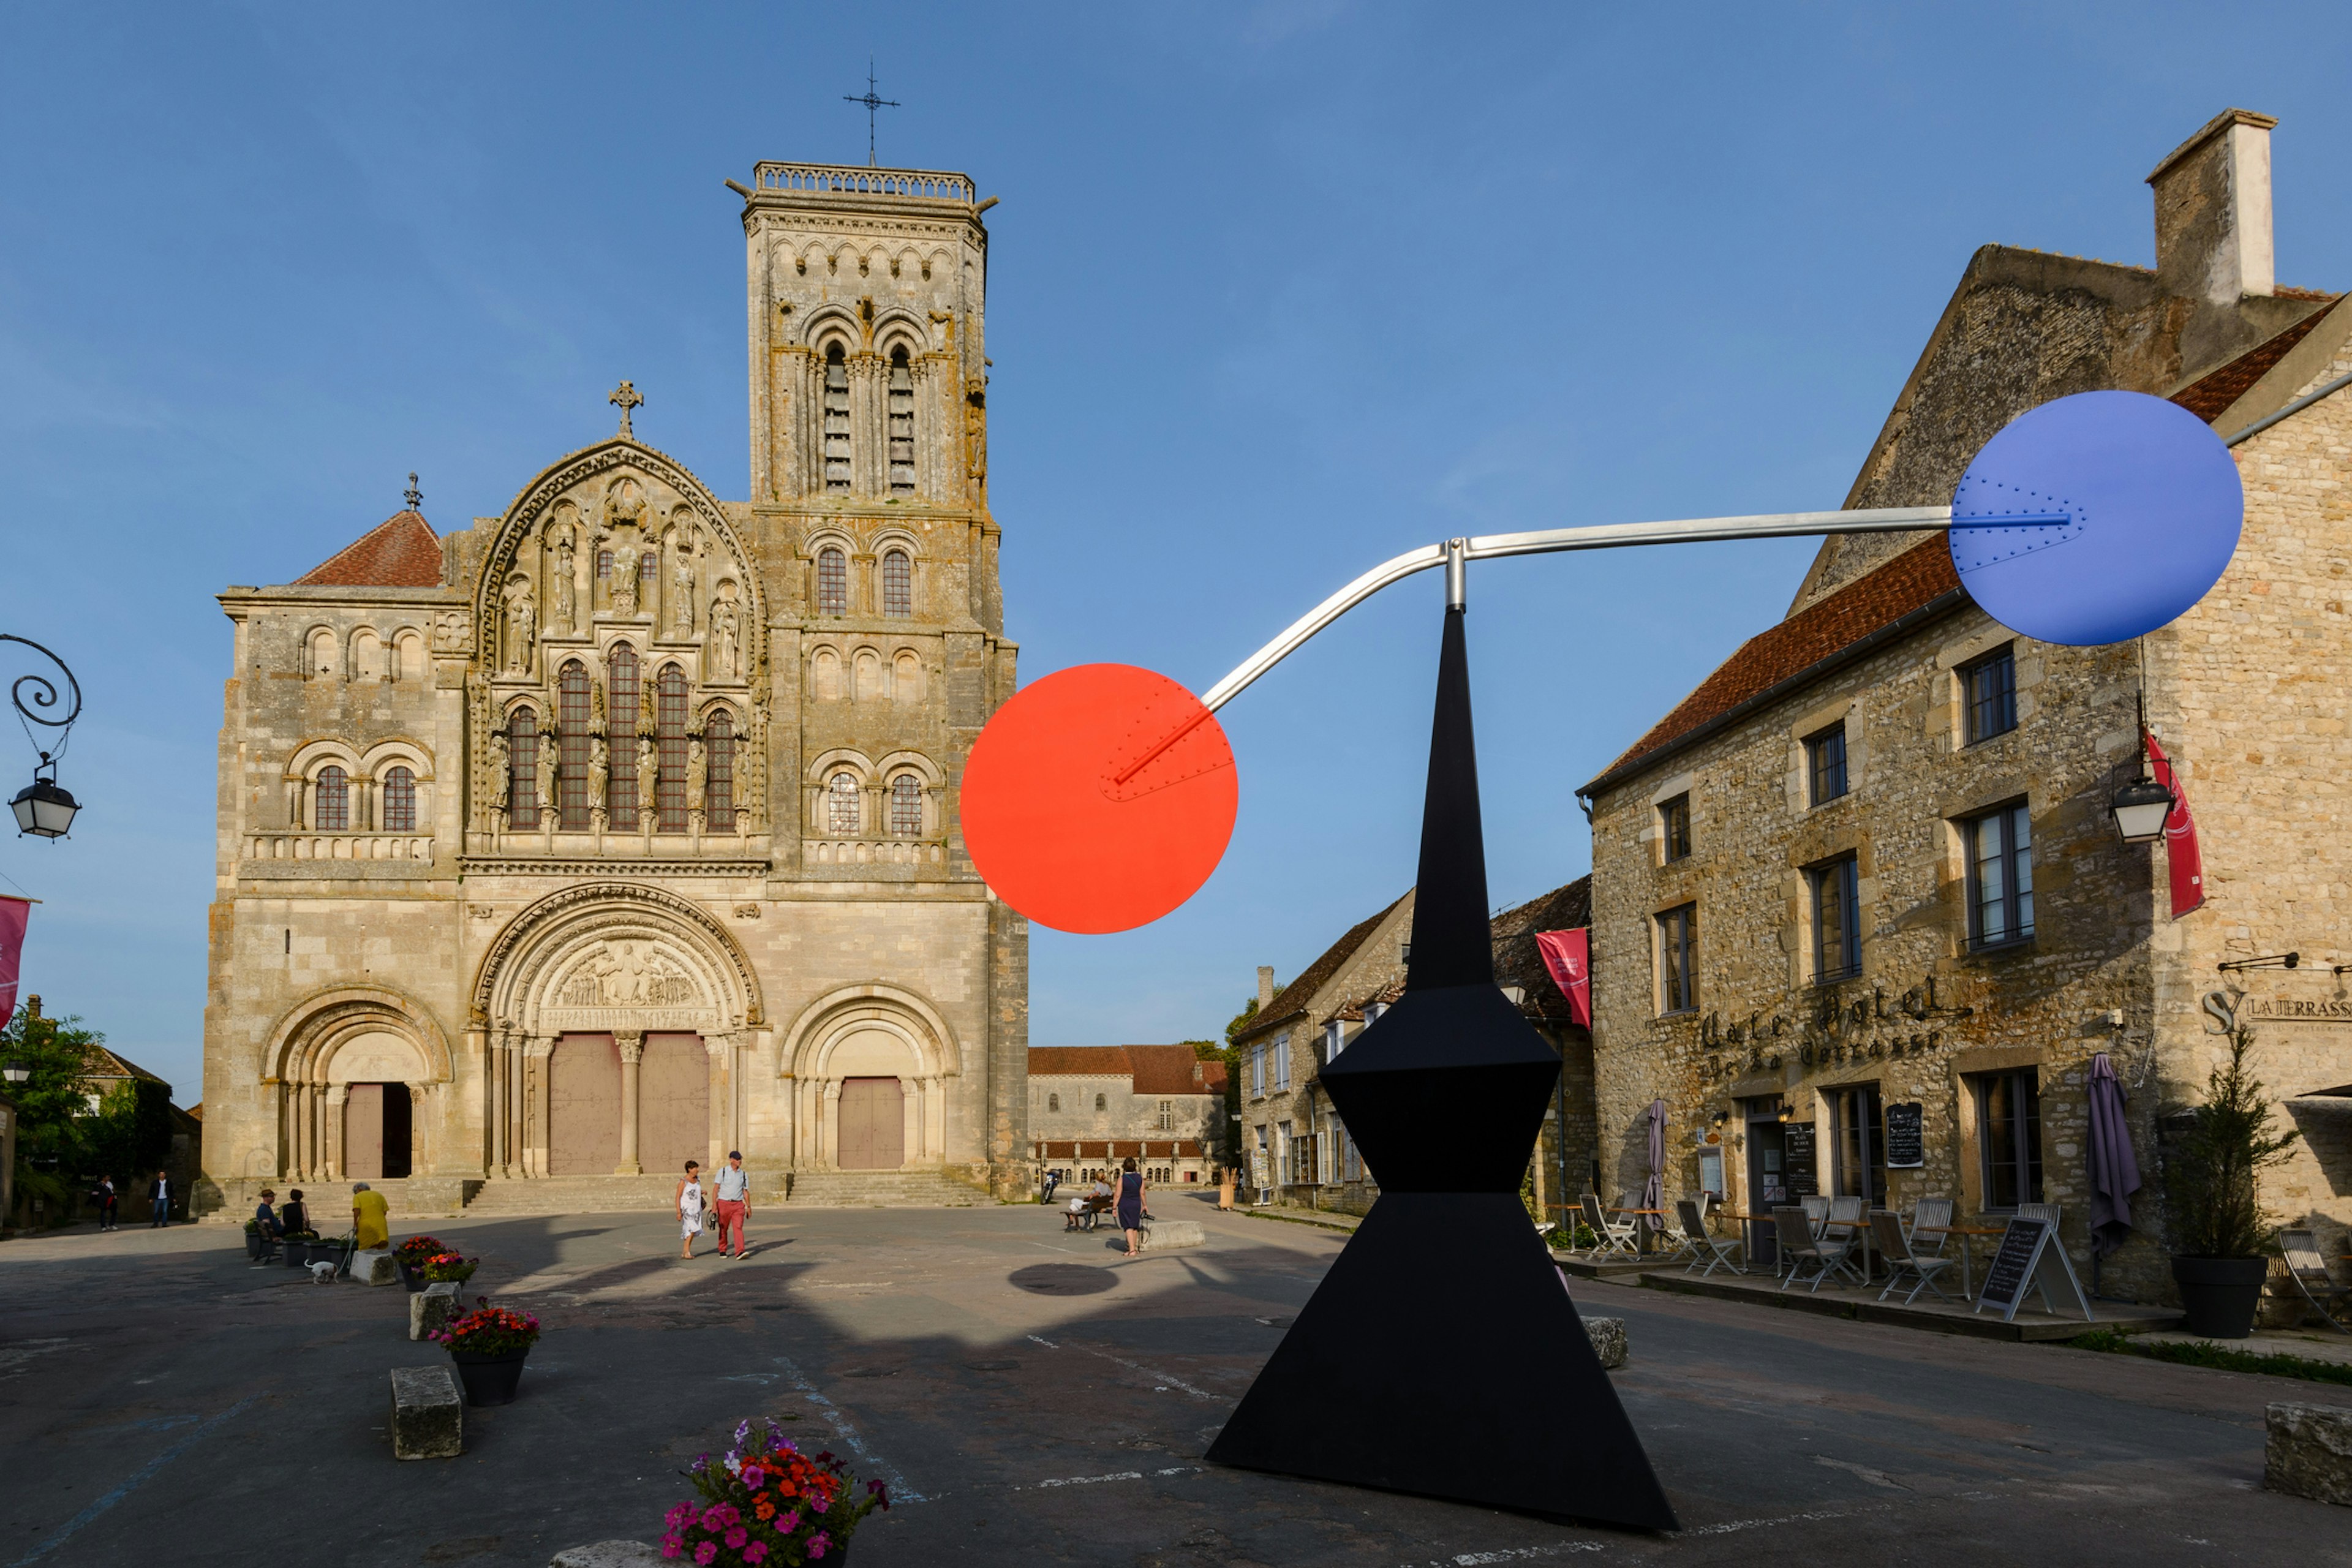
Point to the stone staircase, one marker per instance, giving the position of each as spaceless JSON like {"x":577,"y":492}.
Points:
{"x":881,"y":1189}
{"x":574,"y":1194}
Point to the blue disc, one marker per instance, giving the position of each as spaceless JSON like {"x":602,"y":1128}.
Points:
{"x":2096,"y":519}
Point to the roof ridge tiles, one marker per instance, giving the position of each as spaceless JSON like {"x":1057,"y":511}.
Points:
{"x":401,"y":552}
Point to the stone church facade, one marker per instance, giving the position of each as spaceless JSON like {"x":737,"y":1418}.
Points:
{"x":620,"y":828}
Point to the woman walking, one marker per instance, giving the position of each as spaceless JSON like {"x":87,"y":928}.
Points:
{"x":689,"y":1208}
{"x":1131,"y":1203}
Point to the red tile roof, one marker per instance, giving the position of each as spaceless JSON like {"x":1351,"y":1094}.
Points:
{"x":2210,"y":394}
{"x":401,"y":552}
{"x":1919,"y":581}
{"x":1152,"y":1069}
{"x":1292,"y":1001}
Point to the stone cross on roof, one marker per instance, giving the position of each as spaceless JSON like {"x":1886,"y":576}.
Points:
{"x":411,"y":495}
{"x":625,"y":397}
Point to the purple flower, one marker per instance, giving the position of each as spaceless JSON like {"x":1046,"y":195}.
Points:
{"x":753,"y":1553}
{"x":673,"y":1546}
{"x":705,"y":1552}
{"x":819,"y":1544}
{"x":736,"y":1538}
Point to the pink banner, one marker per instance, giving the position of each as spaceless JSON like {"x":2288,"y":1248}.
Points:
{"x":2180,"y":851}
{"x":13,"y":913}
{"x":1567,"y":955}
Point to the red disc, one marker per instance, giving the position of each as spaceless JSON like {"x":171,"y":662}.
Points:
{"x":1100,"y":798}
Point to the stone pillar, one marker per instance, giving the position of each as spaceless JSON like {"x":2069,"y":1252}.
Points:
{"x":539,"y":1102}
{"x":633,"y":1051}
{"x":725,"y":1133}
{"x":479,"y":1051}
{"x":331,"y":1166}
{"x":824,"y":1137}
{"x":297,"y":1117}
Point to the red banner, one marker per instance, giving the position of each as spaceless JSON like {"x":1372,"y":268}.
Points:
{"x":13,"y":913}
{"x":1567,"y":955}
{"x":2180,"y":851}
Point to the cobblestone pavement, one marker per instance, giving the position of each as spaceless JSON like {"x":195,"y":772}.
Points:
{"x":1034,"y":1400}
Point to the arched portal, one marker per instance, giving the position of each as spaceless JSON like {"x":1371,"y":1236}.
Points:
{"x":869,"y":1068}
{"x":362,"y":1075}
{"x":616,"y":1017}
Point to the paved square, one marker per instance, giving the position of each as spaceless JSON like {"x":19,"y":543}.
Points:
{"x":1034,"y":1399}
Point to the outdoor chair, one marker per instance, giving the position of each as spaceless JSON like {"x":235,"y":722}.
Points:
{"x":1609,"y":1236}
{"x":1846,"y":1218}
{"x":1935,"y":1214}
{"x":1817,"y":1211}
{"x":2308,"y":1269}
{"x":1886,"y":1232}
{"x":1799,"y":1247}
{"x":2040,"y":1211}
{"x":1712,"y":1250}
{"x":1674,"y":1244}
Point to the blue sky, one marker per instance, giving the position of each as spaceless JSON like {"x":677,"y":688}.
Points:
{"x":1278,"y":290}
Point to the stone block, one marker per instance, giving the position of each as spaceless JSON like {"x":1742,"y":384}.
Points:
{"x":1167,"y":1234}
{"x":430,"y":1309}
{"x":2309,"y":1453}
{"x":428,"y":1418}
{"x":1608,"y":1337}
{"x":375,"y":1268}
{"x":609,"y":1554}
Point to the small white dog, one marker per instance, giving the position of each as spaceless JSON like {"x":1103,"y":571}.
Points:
{"x":322,"y":1274}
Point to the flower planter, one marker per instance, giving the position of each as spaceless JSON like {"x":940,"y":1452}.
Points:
{"x":253,"y":1244}
{"x":2221,"y":1294}
{"x":410,"y":1275}
{"x":296,"y":1252}
{"x":489,"y":1379}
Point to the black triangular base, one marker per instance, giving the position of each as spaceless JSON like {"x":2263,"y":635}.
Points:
{"x":1441,"y":1356}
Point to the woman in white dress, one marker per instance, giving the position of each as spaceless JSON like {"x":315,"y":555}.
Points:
{"x":689,"y":1208}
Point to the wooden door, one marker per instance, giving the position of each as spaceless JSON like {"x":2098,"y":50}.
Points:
{"x":873,"y":1124}
{"x":674,"y":1104}
{"x":363,"y":1132}
{"x":584,"y":1111}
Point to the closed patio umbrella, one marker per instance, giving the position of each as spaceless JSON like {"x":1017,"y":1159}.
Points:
{"x":1654,"y":1190}
{"x":2115,"y":1170}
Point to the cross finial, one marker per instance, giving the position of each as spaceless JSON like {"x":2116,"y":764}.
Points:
{"x":625,"y":397}
{"x":872,"y":102}
{"x":411,"y":495}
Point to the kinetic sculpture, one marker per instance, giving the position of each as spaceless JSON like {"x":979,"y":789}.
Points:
{"x":1101,"y":797}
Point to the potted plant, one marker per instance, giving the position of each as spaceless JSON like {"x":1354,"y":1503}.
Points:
{"x":253,"y":1239}
{"x":2213,"y":1202}
{"x":296,"y":1247}
{"x":410,"y":1257}
{"x":765,"y":1504}
{"x":444,"y":1266}
{"x":489,"y":1346}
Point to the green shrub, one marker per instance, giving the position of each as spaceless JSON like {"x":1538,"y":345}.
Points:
{"x":2213,"y":1171}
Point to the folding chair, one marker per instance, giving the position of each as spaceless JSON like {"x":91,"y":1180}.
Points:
{"x":2040,"y":1211}
{"x":1846,"y":1218}
{"x":1609,"y":1236}
{"x":1712,"y":1250}
{"x":1936,"y":1215}
{"x":1798,"y":1246}
{"x":2309,"y":1270}
{"x":1817,"y":1211}
{"x":1886,"y":1232}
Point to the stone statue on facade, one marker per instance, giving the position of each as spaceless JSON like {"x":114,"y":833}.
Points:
{"x":547,"y":774}
{"x":624,"y":580}
{"x":501,"y":776}
{"x":599,"y":770}
{"x":522,"y":631}
{"x":681,"y":610}
{"x":725,"y":640}
{"x":648,"y":779}
{"x":566,"y":590}
{"x":695,"y":766}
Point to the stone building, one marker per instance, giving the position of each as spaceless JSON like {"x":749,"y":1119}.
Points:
{"x":1295,"y":1147}
{"x":1093,"y":1106}
{"x":620,"y":828}
{"x":1869,"y":862}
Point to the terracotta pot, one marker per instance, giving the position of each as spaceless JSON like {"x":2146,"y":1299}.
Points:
{"x":2221,"y":1294}
{"x":489,"y":1379}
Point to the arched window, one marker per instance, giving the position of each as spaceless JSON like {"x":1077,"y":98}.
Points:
{"x":840,"y":806}
{"x":333,"y":813}
{"x":523,"y":769}
{"x":719,"y":773}
{"x":573,"y":754}
{"x":622,"y":695}
{"x":1101,"y":1103}
{"x":320,"y":660}
{"x":400,"y":801}
{"x":902,"y":423}
{"x":837,"y":420}
{"x":1053,"y":1102}
{"x":832,"y":582}
{"x":670,"y":740}
{"x":898,"y":584}
{"x":907,"y":807}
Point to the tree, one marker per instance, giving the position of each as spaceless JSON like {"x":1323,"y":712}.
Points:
{"x":2212,"y":1172}
{"x":62,"y":1137}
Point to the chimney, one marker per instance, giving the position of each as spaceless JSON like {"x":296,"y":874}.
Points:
{"x":2213,"y":210}
{"x":1265,"y":985}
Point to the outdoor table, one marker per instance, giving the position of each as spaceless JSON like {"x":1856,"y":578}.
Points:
{"x":1966,"y":1233}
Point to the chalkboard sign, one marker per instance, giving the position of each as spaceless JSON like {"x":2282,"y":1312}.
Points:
{"x":1903,"y":1151}
{"x":1796,"y":1140}
{"x":2030,"y":1254}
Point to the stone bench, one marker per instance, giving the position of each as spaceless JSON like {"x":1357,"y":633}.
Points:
{"x":2309,"y":1451}
{"x":430,"y":1309}
{"x":428,"y":1418}
{"x":1172,"y":1233}
{"x":1608,"y":1337}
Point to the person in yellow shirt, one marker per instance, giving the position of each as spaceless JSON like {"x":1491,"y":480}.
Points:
{"x":370,"y":1216}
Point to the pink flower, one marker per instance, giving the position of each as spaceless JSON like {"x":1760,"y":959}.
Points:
{"x":736,"y":1538}
{"x":756,"y":1550}
{"x":672,"y":1546}
{"x":714,"y":1518}
{"x":819,"y":1544}
{"x":790,"y":1522}
{"x":706,"y":1552}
